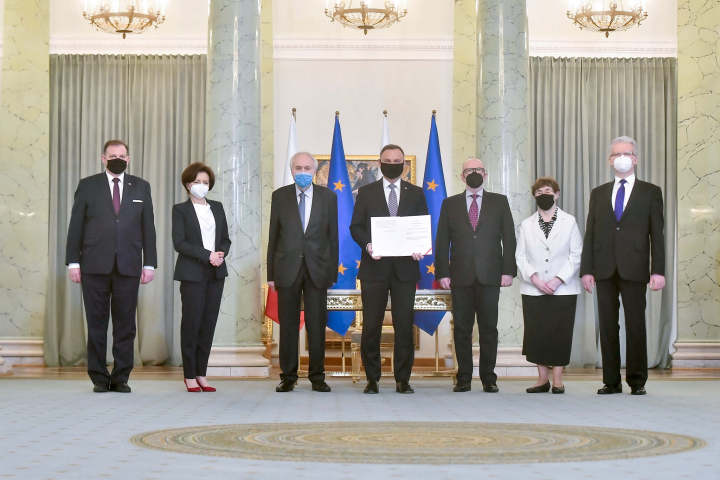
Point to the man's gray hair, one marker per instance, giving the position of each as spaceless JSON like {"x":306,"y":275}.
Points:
{"x":623,"y":139}
{"x":315,"y":162}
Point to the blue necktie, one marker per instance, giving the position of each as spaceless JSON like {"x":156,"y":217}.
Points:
{"x":620,"y":200}
{"x":301,"y":205}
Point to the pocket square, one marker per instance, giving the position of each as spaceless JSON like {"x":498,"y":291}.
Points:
{"x":137,"y":201}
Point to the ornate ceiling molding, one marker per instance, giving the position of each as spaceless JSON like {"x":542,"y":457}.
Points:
{"x":602,"y":47}
{"x":142,"y":44}
{"x":362,"y":48}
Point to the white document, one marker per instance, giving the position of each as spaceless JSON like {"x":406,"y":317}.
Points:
{"x":401,"y":236}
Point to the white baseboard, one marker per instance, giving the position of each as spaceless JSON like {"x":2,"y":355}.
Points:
{"x":510,"y":363}
{"x":21,"y":351}
{"x":696,"y":355}
{"x":238,"y":362}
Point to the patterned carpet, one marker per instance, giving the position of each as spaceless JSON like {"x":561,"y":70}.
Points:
{"x":434,"y":443}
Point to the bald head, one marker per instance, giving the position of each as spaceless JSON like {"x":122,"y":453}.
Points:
{"x":473,"y":163}
{"x":470,"y":167}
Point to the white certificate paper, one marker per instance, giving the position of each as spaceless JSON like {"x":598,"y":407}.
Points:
{"x":401,"y":236}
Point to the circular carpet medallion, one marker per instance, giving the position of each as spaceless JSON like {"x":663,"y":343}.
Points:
{"x":416,"y":442}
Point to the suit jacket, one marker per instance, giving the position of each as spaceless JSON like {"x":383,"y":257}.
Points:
{"x":485,"y":254}
{"x":97,"y":236}
{"x":555,"y":256}
{"x":187,"y":240}
{"x":288,"y":244}
{"x":625,"y":246}
{"x":371,"y":202}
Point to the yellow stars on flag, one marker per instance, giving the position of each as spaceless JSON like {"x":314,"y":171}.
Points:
{"x":341,"y":269}
{"x":339,"y":185}
{"x":431,"y":268}
{"x":432,"y":185}
{"x":358,"y":264}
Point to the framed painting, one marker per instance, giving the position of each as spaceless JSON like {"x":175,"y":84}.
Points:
{"x":362,"y":169}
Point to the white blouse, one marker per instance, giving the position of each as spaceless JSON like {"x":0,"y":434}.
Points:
{"x":207,"y":225}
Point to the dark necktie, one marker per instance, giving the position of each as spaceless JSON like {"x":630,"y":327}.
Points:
{"x":301,"y":205}
{"x":392,"y":201}
{"x":474,"y":212}
{"x":620,"y":200}
{"x":116,"y":195}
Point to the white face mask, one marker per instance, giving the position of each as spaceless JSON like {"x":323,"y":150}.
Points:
{"x":199,"y":190}
{"x":623,"y":163}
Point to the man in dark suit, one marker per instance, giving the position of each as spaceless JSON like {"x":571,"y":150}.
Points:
{"x":387,"y":197}
{"x":476,"y":233}
{"x":111,"y":228}
{"x":624,"y":228}
{"x":302,"y":261}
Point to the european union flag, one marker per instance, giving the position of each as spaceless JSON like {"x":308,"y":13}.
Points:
{"x":349,"y":258}
{"x":435,"y":193}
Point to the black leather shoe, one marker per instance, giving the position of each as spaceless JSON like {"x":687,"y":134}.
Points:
{"x":637,"y":391}
{"x":610,"y":389}
{"x":403,"y":387}
{"x":320,"y":387}
{"x":544,"y":388}
{"x":558,"y":390}
{"x":490,"y":388}
{"x":371,"y":387}
{"x":285,"y":386}
{"x":121,"y":387}
{"x":462,"y":387}
{"x":101,"y":387}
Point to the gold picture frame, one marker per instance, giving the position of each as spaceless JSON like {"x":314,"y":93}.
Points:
{"x":370,"y":167}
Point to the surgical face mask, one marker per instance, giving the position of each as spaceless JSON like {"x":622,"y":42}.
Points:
{"x":474,"y":180}
{"x":303,"y":179}
{"x":392,"y":170}
{"x":116,"y":165}
{"x":623,"y":163}
{"x":545,"y":201}
{"x":199,"y":190}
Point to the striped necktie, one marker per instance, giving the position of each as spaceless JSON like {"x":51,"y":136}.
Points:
{"x":392,"y":201}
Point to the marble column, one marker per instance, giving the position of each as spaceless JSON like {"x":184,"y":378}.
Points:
{"x":698,"y":190}
{"x":233,"y":149}
{"x":502,"y":128}
{"x":24,"y":173}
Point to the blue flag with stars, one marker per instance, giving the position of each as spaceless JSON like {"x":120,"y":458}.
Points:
{"x":349,"y":257}
{"x":435,"y":193}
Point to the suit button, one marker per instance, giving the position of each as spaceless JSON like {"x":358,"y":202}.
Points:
{"x":545,"y":271}
{"x":546,"y":259}
{"x":118,"y":221}
{"x":547,"y":249}
{"x":618,"y":228}
{"x":474,"y":236}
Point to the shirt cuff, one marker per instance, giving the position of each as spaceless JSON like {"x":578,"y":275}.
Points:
{"x":73,"y":265}
{"x":148,"y":268}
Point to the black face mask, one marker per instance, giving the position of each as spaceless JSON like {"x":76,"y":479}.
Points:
{"x":392,"y":170}
{"x":545,"y":201}
{"x":474,"y":180}
{"x":116,"y":166}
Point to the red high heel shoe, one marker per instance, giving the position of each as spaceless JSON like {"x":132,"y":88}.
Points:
{"x":208,"y":389}
{"x":193,"y":389}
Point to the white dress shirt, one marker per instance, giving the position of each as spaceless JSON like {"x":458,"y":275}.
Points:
{"x":308,"y":202}
{"x":469,"y":199}
{"x":628,"y":190}
{"x":386,"y":189}
{"x":207,"y":225}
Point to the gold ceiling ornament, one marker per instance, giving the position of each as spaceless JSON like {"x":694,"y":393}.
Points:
{"x":604,"y":16}
{"x":124,"y":16}
{"x":366,"y":17}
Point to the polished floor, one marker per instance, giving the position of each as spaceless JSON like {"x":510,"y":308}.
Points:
{"x":53,"y":426}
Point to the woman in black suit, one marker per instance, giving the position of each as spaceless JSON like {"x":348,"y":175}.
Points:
{"x":200,"y":236}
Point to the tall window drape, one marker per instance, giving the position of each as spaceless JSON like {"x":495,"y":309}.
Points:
{"x":156,"y":104}
{"x":578,"y":105}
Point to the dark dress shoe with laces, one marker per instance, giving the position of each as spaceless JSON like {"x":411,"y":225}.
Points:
{"x":285,"y":386}
{"x":610,"y":389}
{"x":120,"y":387}
{"x":320,"y":387}
{"x":490,"y":388}
{"x":101,"y":387}
{"x":403,"y":387}
{"x":558,"y":390}
{"x":544,"y":388}
{"x":371,"y":387}
{"x":462,"y":387}
{"x":637,"y":391}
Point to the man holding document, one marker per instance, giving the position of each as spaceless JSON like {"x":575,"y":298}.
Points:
{"x":388,"y":266}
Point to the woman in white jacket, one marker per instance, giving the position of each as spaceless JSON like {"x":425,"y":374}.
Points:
{"x":548,"y":253}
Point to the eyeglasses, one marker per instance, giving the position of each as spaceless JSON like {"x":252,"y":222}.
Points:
{"x":113,"y":157}
{"x":620,"y":154}
{"x":468,"y":171}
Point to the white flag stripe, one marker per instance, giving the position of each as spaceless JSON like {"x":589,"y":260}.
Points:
{"x":292,"y":149}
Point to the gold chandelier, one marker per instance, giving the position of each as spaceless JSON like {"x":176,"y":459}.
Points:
{"x":365,"y":17}
{"x":134,"y":18}
{"x":596,"y":17}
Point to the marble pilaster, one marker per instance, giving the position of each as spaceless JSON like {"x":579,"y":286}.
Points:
{"x":698,"y":192}
{"x":464,"y":88}
{"x":24,"y":169}
{"x":267,"y":122}
{"x":502,"y":128}
{"x":233,"y":149}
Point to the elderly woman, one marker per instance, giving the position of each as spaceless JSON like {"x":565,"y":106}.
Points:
{"x":548,"y":253}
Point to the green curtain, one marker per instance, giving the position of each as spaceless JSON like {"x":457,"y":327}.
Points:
{"x":156,"y":103}
{"x":577,"y":106}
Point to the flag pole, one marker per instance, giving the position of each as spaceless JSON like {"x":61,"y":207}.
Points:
{"x":434,"y":112}
{"x":294,"y":113}
{"x":337,"y":113}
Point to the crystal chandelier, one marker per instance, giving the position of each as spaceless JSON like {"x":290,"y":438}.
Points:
{"x":137,"y":16}
{"x":365,"y":17}
{"x":597,"y":17}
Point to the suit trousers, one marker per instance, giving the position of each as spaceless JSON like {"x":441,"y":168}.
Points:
{"x":634,"y":302}
{"x":103,"y":294}
{"x":315,"y":300}
{"x":374,"y":297}
{"x":481,"y":300}
{"x":200,"y":310}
